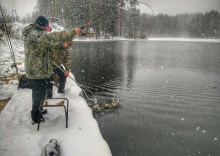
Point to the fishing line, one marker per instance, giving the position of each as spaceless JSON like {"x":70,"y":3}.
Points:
{"x":80,"y":85}
{"x":109,"y":11}
{"x":151,"y":10}
{"x":106,"y":12}
{"x":89,"y":23}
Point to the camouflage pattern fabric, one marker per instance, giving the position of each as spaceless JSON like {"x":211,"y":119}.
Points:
{"x":64,"y":57}
{"x":67,"y":60}
{"x":37,"y":44}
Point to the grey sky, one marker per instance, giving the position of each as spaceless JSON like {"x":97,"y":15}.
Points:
{"x":23,"y":7}
{"x":170,"y":7}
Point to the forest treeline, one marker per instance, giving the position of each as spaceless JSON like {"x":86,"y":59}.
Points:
{"x":127,"y":20}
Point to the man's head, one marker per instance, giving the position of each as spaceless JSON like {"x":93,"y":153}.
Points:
{"x":42,"y":21}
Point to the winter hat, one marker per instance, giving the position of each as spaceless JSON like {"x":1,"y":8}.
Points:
{"x":42,"y":21}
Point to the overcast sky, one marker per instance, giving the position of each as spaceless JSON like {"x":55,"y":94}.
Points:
{"x":23,"y":7}
{"x":170,"y":7}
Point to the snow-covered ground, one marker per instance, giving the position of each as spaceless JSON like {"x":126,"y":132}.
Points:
{"x":81,"y":138}
{"x":7,"y":88}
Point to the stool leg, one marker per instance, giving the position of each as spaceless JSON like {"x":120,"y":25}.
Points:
{"x":67,"y":110}
{"x":66,"y":116}
{"x":39,"y":118}
{"x":38,"y":127}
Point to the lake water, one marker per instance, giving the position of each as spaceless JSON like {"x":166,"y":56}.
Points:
{"x":169,"y":95}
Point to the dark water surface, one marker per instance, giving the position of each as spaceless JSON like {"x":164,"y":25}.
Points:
{"x":169,"y":95}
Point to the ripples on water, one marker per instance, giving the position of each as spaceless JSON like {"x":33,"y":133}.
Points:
{"x":169,"y":95}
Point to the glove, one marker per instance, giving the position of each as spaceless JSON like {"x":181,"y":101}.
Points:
{"x":66,"y":73}
{"x":77,"y":31}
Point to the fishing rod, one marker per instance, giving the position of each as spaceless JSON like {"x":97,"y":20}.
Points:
{"x":151,"y":10}
{"x":80,"y":85}
{"x":9,"y":43}
{"x":92,"y":20}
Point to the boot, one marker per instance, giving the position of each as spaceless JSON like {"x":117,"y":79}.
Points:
{"x":44,"y":111}
{"x":36,"y":117}
{"x":61,"y":87}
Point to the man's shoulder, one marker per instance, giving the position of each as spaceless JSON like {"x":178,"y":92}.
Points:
{"x":36,"y":33}
{"x":27,"y":29}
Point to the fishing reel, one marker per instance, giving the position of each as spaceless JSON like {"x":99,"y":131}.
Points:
{"x":83,"y":32}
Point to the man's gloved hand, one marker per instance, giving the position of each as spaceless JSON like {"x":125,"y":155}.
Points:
{"x":67,"y":73}
{"x":77,"y":31}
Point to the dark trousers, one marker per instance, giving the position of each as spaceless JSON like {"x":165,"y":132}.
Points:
{"x":62,"y":77}
{"x":62,"y":81}
{"x":39,"y":93}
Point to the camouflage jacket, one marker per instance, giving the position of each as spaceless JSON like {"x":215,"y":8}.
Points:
{"x":37,"y":44}
{"x":63,"y":57}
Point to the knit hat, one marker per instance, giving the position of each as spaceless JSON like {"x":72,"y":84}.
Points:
{"x":42,"y":21}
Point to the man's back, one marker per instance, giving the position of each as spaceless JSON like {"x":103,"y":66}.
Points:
{"x":36,"y":64}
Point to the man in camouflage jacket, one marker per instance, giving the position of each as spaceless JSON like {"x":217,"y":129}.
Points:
{"x":63,"y":59}
{"x":38,"y":68}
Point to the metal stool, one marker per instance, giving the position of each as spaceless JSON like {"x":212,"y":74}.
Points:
{"x":60,"y":104}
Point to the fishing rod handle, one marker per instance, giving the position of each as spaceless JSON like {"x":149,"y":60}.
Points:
{"x":86,"y":25}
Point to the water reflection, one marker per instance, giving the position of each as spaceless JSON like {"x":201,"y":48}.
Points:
{"x":117,"y":61}
{"x":104,"y":66}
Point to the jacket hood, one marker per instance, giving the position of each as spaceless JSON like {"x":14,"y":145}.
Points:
{"x":30,"y":27}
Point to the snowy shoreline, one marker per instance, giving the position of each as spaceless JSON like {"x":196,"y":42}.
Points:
{"x":148,"y":39}
{"x":184,"y":39}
